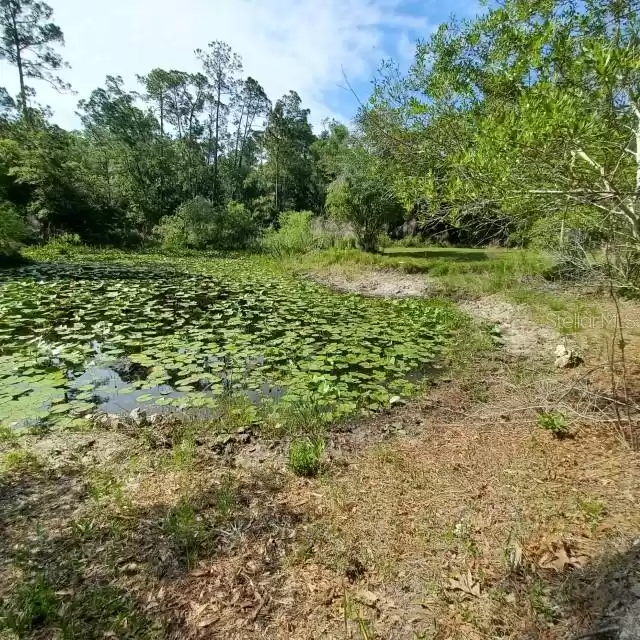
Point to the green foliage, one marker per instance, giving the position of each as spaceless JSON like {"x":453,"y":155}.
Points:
{"x":515,"y":124}
{"x":305,"y":457}
{"x":301,"y":231}
{"x":12,"y":232}
{"x":294,"y":234}
{"x":20,"y":461}
{"x":26,"y":36}
{"x":95,"y":611}
{"x":198,"y":224}
{"x":593,"y":510}
{"x":554,"y":422}
{"x":188,"y":158}
{"x":187,"y":531}
{"x":34,"y":605}
{"x":363,"y":198}
{"x":63,"y":244}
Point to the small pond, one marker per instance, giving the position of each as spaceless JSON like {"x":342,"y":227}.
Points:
{"x":81,"y":337}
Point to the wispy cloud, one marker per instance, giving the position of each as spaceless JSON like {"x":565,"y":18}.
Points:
{"x":286,"y":44}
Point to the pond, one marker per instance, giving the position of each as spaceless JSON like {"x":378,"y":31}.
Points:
{"x":78,"y":338}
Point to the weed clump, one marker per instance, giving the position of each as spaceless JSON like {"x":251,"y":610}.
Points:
{"x":305,"y":457}
{"x":554,"y":422}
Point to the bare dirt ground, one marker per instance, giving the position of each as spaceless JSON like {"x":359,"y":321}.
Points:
{"x":389,"y":283}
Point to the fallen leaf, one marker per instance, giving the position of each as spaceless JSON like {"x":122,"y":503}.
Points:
{"x":208,"y":621}
{"x":465,"y":583}
{"x":561,"y":557}
{"x":367,"y":598}
{"x":515,"y":556}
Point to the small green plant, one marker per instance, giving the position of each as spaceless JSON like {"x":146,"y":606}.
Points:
{"x":554,"y":422}
{"x":593,"y":510}
{"x":305,"y":457}
{"x":540,"y":602}
{"x":183,"y":453}
{"x":105,"y":611}
{"x":186,"y":530}
{"x":105,"y":488}
{"x":34,"y":605}
{"x":7,"y":434}
{"x":226,"y":497}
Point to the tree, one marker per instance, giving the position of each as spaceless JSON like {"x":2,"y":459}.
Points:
{"x":252,"y":102}
{"x":25,"y":38}
{"x":518,"y":118}
{"x":363,"y":197}
{"x":138,"y":167}
{"x":288,"y":138}
{"x":184,"y":137}
{"x":221,"y":66}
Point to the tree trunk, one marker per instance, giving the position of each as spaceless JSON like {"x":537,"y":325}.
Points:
{"x":235,"y":154}
{"x":215,"y":145}
{"x":277,"y":199}
{"x":23,"y":89}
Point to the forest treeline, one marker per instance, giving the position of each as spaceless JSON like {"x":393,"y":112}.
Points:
{"x":519,"y":126}
{"x":143,"y":152}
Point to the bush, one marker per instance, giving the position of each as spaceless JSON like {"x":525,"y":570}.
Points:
{"x":63,"y":244}
{"x":367,"y":204}
{"x":12,"y":232}
{"x":293,"y":236}
{"x":198,"y":224}
{"x":305,"y":457}
{"x":301,"y":231}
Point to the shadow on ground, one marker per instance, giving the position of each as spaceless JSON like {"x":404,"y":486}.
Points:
{"x":600,"y":600}
{"x":81,"y":560}
{"x":604,"y":597}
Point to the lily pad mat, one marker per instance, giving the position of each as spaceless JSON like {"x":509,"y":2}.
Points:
{"x":177,"y":334}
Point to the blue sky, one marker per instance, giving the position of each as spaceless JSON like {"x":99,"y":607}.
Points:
{"x":285,"y":44}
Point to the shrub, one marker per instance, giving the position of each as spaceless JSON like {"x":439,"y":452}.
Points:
{"x":198,"y":224}
{"x":235,"y":228}
{"x":293,"y":236}
{"x":305,"y":457}
{"x":63,"y":244}
{"x":172,"y":232}
{"x":364,"y":201}
{"x":301,"y":231}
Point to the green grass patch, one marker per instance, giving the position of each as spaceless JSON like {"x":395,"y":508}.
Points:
{"x":188,"y":532}
{"x":92,"y":612}
{"x":305,"y":457}
{"x":21,"y":461}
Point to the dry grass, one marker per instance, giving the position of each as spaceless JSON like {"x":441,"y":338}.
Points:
{"x":448,"y":529}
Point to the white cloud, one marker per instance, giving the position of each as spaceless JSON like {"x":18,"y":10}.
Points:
{"x":285,"y":44}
